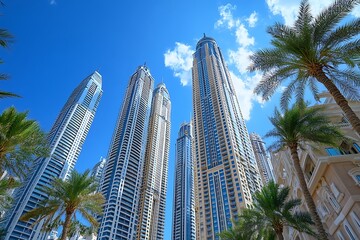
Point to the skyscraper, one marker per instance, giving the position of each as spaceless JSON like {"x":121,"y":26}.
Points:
{"x":183,"y":225}
{"x":262,"y":158}
{"x":65,"y":140}
{"x":154,"y":185}
{"x":123,"y":171}
{"x":226,"y":172}
{"x":98,"y":169}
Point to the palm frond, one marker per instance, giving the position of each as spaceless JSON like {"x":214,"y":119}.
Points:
{"x":348,"y":81}
{"x":304,"y":17}
{"x":314,"y":89}
{"x":66,"y":197}
{"x":326,"y":21}
{"x":272,"y":209}
{"x":341,"y":34}
{"x":5,"y":38}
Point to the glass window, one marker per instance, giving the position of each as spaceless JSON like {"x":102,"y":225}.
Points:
{"x":357,"y":147}
{"x":349,"y":231}
{"x":333,"y":151}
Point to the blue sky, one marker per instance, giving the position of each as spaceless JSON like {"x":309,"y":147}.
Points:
{"x":59,"y":42}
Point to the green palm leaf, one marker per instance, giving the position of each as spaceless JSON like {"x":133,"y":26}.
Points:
{"x":293,"y":128}
{"x":65,"y":199}
{"x":320,"y":49}
{"x":21,"y":142}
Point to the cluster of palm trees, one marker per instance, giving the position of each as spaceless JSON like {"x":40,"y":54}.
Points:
{"x":22,"y":145}
{"x":313,"y":50}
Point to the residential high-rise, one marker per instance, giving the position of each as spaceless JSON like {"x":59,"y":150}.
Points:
{"x":65,"y":140}
{"x":123,"y":171}
{"x":183,"y":225}
{"x":226,"y":172}
{"x":98,"y":169}
{"x":262,"y":158}
{"x":154,"y":184}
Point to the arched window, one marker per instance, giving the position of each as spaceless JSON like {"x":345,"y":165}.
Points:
{"x":349,"y":231}
{"x":356,"y":220}
{"x":355,"y":174}
{"x":329,"y":197}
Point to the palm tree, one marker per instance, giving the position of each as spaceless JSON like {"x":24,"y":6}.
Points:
{"x":6,"y":186}
{"x":65,"y":199}
{"x":5,"y":39}
{"x":21,"y":140}
{"x":237,"y":232}
{"x":271,"y":212}
{"x":295,"y":127}
{"x":76,"y":228}
{"x":315,"y":49}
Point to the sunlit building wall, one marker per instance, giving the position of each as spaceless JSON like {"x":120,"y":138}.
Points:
{"x":98,"y":169}
{"x":183,"y":225}
{"x":262,"y":158}
{"x":226,"y":172}
{"x":332,"y":174}
{"x":155,"y":174}
{"x":122,"y":176}
{"x":65,"y":140}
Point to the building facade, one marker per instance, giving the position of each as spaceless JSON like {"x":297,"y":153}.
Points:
{"x":183,"y":223}
{"x":122,"y":177}
{"x":98,"y":169}
{"x":332,"y":175}
{"x":155,"y":175}
{"x":226,"y":172}
{"x":262,"y":158}
{"x":65,"y":140}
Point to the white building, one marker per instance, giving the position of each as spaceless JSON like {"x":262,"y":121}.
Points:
{"x":65,"y":140}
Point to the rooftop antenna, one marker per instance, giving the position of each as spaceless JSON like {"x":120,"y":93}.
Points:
{"x":145,"y":64}
{"x":204,"y":35}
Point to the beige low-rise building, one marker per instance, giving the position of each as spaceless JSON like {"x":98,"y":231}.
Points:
{"x":333,"y":177}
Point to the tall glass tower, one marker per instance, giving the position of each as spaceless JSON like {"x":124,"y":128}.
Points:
{"x":183,"y":225}
{"x":122,"y":176}
{"x":226,"y":173}
{"x":154,"y":184}
{"x":98,"y":169}
{"x":262,"y":158}
{"x":65,"y":140}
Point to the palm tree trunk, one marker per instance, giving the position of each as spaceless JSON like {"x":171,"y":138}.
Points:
{"x":340,"y":100}
{"x":66,"y":226}
{"x":309,"y":201}
{"x":279,"y":235}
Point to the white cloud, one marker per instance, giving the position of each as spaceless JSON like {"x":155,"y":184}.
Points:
{"x":240,"y":58}
{"x":227,"y":19}
{"x":288,"y":9}
{"x":180,"y":61}
{"x":252,"y":19}
{"x":244,"y":86}
{"x":242,"y":36}
{"x":244,"y":83}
